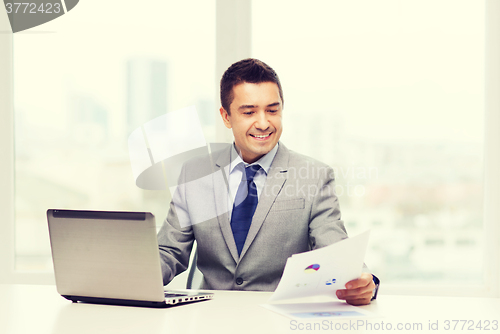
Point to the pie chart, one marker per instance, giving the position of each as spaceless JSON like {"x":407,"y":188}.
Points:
{"x":312,"y":269}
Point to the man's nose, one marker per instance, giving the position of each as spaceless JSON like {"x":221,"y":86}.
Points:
{"x":262,"y":123}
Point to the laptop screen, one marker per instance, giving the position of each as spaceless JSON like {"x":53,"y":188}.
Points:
{"x":106,"y":254}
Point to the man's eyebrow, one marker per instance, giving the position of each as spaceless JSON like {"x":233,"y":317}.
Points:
{"x":251,"y":106}
{"x":246,"y":106}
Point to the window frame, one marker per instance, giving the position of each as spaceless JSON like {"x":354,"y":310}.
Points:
{"x":233,"y":42}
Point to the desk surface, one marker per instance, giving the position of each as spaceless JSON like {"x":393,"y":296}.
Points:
{"x":39,"y":309}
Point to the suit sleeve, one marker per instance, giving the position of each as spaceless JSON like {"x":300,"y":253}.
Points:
{"x":175,"y":241}
{"x":325,"y":224}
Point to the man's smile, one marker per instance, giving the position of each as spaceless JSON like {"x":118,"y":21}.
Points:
{"x":261,"y":137}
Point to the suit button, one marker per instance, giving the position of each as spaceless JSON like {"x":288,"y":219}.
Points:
{"x":239,"y":281}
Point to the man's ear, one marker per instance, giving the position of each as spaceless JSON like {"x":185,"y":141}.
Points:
{"x":225,"y":117}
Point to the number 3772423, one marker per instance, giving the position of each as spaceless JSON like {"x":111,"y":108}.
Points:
{"x":33,"y":8}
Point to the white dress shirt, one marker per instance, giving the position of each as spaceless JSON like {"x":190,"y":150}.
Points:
{"x":237,"y":168}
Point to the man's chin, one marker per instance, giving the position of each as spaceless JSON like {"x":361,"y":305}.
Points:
{"x":264,"y":149}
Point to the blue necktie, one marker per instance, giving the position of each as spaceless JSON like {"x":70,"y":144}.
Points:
{"x":244,"y":207}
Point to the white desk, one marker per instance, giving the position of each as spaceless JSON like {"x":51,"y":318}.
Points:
{"x":39,"y":309}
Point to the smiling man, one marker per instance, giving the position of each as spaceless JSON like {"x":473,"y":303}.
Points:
{"x":256,"y":118}
{"x":254,"y":204}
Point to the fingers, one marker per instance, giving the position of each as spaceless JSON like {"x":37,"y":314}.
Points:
{"x":360,"y":301}
{"x":356,"y":293}
{"x":355,"y":297}
{"x":359,"y":291}
{"x":357,"y":287}
{"x":364,"y":280}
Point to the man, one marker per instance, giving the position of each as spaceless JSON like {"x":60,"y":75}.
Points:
{"x":254,"y":204}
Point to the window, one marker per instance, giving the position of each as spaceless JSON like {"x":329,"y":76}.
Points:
{"x":84,"y":90}
{"x":390,"y":93}
{"x":391,"y":90}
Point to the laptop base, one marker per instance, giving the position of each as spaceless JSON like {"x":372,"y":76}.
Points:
{"x":112,"y":301}
{"x":130,"y":302}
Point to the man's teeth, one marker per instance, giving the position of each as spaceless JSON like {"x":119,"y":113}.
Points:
{"x":261,"y":136}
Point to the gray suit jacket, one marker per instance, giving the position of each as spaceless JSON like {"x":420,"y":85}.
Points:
{"x":297,"y":211}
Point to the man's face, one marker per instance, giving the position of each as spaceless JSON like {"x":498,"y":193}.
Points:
{"x":255,"y":118}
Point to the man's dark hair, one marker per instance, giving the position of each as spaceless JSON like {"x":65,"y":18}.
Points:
{"x":247,"y":70}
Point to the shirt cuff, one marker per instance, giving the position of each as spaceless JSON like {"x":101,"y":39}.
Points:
{"x":377,"y":284}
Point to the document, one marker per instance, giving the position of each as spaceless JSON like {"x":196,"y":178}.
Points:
{"x":318,"y":311}
{"x":321,"y":272}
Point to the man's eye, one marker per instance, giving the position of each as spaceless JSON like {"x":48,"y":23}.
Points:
{"x":248,"y":113}
{"x":272,"y":111}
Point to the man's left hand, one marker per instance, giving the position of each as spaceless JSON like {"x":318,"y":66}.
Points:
{"x":358,"y":291}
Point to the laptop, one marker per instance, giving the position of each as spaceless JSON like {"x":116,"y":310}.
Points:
{"x":110,"y":258}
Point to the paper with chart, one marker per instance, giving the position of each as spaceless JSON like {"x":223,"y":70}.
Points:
{"x":318,"y":311}
{"x":322,"y":271}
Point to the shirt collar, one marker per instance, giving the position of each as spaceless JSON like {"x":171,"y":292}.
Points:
{"x":264,"y":162}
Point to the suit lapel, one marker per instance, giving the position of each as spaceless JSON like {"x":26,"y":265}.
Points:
{"x":221,"y":193}
{"x":275,"y":180}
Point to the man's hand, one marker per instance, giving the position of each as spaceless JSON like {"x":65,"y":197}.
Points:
{"x":358,"y":291}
